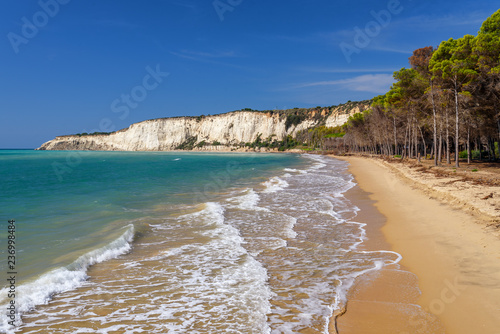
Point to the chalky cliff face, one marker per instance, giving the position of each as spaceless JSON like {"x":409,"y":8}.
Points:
{"x":220,"y":132}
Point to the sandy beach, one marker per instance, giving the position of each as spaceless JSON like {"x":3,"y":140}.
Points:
{"x":449,"y":278}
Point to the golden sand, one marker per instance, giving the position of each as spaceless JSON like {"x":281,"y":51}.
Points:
{"x":454,"y":256}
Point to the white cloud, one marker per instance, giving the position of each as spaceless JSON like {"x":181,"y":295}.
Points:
{"x":373,"y":83}
{"x":433,"y":23}
{"x":217,"y":54}
{"x":346,"y":70}
{"x":115,"y":23}
{"x":208,"y":57}
{"x":392,"y":50}
{"x":184,"y":3}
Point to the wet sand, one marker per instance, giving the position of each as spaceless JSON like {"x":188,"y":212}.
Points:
{"x":449,"y":278}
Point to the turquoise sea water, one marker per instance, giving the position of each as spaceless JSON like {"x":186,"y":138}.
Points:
{"x":198,"y":242}
{"x":67,"y":203}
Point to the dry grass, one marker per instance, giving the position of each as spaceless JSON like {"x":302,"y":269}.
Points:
{"x":480,"y":173}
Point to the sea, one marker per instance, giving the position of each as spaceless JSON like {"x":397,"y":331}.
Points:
{"x":174,"y":242}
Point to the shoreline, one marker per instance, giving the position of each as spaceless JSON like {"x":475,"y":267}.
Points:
{"x":365,"y":296}
{"x":452,"y":257}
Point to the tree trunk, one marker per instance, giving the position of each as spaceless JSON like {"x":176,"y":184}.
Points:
{"x":497,"y":113}
{"x":415,"y":140}
{"x":498,"y":123}
{"x":448,"y":158}
{"x":440,"y":147}
{"x":405,"y":145}
{"x":457,"y":135}
{"x":480,"y":148}
{"x":435,"y":127}
{"x":491,"y":147}
{"x":396,"y":138}
{"x":468,"y":145}
{"x":425,"y":146}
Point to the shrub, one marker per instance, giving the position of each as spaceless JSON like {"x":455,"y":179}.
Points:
{"x":188,"y":144}
{"x":293,"y":119}
{"x":474,"y":155}
{"x":335,"y":135}
{"x":201,"y":144}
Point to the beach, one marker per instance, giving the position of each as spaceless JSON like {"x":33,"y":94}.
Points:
{"x":250,"y":243}
{"x":449,"y":278}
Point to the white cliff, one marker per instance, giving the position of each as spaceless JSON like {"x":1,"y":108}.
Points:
{"x":340,"y":116}
{"x":218,"y":132}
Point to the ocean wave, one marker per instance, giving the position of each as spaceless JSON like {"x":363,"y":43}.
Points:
{"x":319,"y":162}
{"x":246,"y":201}
{"x":271,"y":261}
{"x":323,"y":240}
{"x":40,"y":291}
{"x":347,"y":281}
{"x":293,"y":170}
{"x":274,"y":184}
{"x":240,"y":282}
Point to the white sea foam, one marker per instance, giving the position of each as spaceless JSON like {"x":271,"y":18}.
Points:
{"x":348,"y":280}
{"x":274,"y":184}
{"x":67,"y":278}
{"x":240,"y":281}
{"x":207,"y":277}
{"x":319,"y":161}
{"x":289,"y":232}
{"x":320,"y":208}
{"x":293,"y":170}
{"x":247,"y":200}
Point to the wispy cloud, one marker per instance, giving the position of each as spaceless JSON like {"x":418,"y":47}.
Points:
{"x":306,"y":38}
{"x":346,"y":70}
{"x":381,"y":47}
{"x":208,"y":57}
{"x":115,"y":23}
{"x":183,"y":3}
{"x":373,"y":83}
{"x":389,"y":40}
{"x":199,"y":54}
{"x":429,"y":22}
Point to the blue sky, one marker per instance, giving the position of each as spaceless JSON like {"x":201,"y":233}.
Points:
{"x":71,"y":66}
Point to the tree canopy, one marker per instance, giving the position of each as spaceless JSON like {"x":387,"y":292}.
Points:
{"x":450,"y":94}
